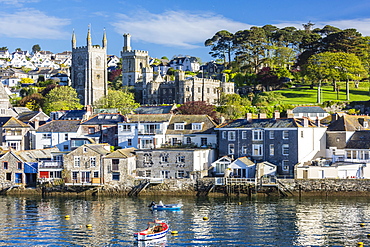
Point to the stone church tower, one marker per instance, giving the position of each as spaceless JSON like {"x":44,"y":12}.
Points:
{"x":133,"y":62}
{"x":89,"y":75}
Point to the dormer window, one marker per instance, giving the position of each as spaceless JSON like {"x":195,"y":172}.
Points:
{"x":196,"y":126}
{"x":179,"y":126}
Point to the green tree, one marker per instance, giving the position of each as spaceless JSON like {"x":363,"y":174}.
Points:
{"x":233,"y":106}
{"x":197,"y":108}
{"x":33,"y":102}
{"x":4,"y":48}
{"x":61,"y":98}
{"x":36,"y":48}
{"x":221,"y":45}
{"x":123,"y":101}
{"x":27,"y":81}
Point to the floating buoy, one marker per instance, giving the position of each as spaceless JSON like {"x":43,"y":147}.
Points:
{"x":360,"y":244}
{"x":368,"y":235}
{"x":240,"y":203}
{"x":174,"y":232}
{"x":362,"y":225}
{"x":67,"y":216}
{"x":205,"y":218}
{"x":88,"y":225}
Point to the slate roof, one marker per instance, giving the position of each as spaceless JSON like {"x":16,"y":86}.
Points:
{"x":37,"y":154}
{"x":207,"y":128}
{"x":105,"y":118}
{"x":268,"y":123}
{"x":246,"y":161}
{"x":11,"y":122}
{"x":154,"y":109}
{"x":121,"y":153}
{"x":60,"y":126}
{"x":99,"y":148}
{"x":27,"y":116}
{"x":308,"y":109}
{"x":350,"y":123}
{"x":73,"y":114}
{"x":148,"y":118}
{"x":359,"y":140}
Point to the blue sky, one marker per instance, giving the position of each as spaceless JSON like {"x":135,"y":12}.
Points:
{"x":163,"y":27}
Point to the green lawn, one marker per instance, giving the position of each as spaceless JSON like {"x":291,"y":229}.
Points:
{"x":305,"y":95}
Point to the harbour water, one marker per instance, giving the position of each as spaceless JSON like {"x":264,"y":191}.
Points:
{"x":327,"y":221}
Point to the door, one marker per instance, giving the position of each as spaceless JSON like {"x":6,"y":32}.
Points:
{"x":18,"y":178}
{"x":85,"y":177}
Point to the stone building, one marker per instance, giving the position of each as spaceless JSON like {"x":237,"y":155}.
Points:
{"x":89,"y":74}
{"x":152,"y":88}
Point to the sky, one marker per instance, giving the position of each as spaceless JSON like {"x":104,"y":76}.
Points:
{"x":163,"y":27}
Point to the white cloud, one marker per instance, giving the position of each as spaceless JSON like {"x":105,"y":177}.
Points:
{"x":18,"y":2}
{"x":175,"y":28}
{"x":32,"y":24}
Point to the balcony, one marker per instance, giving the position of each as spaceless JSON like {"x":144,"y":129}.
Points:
{"x":13,"y":138}
{"x":51,"y":164}
{"x":151,"y":132}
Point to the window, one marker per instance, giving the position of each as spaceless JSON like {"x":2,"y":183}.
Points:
{"x":231,"y":135}
{"x":19,"y":165}
{"x":180,"y":159}
{"x":244,"y":150}
{"x":66,"y":137}
{"x":301,"y":133}
{"x":244,"y":134}
{"x":272,"y":150}
{"x":115,"y":163}
{"x":5,"y":165}
{"x":65,"y":147}
{"x":203,"y":141}
{"x":181,"y":174}
{"x":199,"y":90}
{"x":285,"y":149}
{"x":285,"y":134}
{"x":272,"y":134}
{"x":179,"y":126}
{"x":85,"y":149}
{"x":188,"y":140}
{"x":164,"y":158}
{"x":126,"y":127}
{"x":9,"y":176}
{"x":223,"y":133}
{"x":76,"y":161}
{"x":165,"y":174}
{"x":257,"y":149}
{"x":92,"y":161}
{"x":91,"y":130}
{"x":285,"y":165}
{"x":46,"y":136}
{"x":231,"y":149}
{"x":257,"y":135}
{"x":148,"y":173}
{"x":115,"y":176}
{"x":196,"y":126}
{"x":95,"y":174}
{"x":74,"y":175}
{"x":129,"y":142}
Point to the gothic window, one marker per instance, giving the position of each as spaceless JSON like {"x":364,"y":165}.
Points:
{"x":79,"y":78}
{"x":98,"y":61}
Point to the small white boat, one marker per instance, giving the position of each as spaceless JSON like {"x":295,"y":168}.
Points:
{"x":161,"y":206}
{"x":156,"y":230}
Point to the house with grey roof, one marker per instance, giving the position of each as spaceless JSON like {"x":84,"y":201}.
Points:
{"x":62,"y":134}
{"x":102,"y":128}
{"x":160,"y":109}
{"x":282,"y":142}
{"x":14,"y":134}
{"x":312,"y":112}
{"x":84,"y":165}
{"x":193,"y":130}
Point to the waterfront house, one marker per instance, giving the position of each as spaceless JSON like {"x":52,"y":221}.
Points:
{"x":219,"y":166}
{"x":56,"y":133}
{"x":85,"y":164}
{"x":174,"y":162}
{"x":143,"y":131}
{"x":102,"y":128}
{"x":118,"y":166}
{"x":12,"y":171}
{"x":191,"y":130}
{"x":282,"y":142}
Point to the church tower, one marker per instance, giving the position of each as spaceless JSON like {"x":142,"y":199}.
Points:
{"x":133,"y":62}
{"x":89,"y":75}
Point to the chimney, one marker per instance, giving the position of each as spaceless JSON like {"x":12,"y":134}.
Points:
{"x":276,"y":114}
{"x":261,"y":115}
{"x":305,"y":122}
{"x":289,"y":113}
{"x":248,"y":116}
{"x":334,"y":117}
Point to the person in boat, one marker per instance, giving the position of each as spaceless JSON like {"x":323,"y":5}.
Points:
{"x":151,"y":204}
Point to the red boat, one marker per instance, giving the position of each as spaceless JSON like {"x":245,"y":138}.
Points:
{"x":157,"y":229}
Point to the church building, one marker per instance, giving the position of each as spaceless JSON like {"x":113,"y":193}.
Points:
{"x":153,"y":88}
{"x":89,"y":75}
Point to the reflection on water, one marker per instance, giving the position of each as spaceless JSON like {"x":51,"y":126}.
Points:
{"x":36,"y":221}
